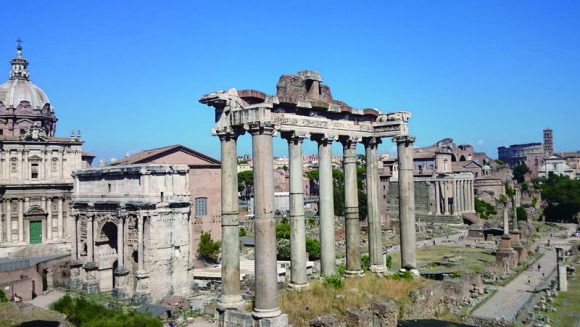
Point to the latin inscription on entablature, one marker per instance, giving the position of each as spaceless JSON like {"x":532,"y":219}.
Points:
{"x":291,"y":123}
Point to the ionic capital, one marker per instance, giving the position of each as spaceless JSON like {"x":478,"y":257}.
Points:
{"x":261,"y":128}
{"x":226,"y":133}
{"x":349,"y":140}
{"x":324,"y":139}
{"x":406,"y":139}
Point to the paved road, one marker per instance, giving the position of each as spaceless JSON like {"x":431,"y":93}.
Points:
{"x":508,"y":300}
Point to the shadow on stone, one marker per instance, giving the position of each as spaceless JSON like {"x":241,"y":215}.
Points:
{"x":40,"y":323}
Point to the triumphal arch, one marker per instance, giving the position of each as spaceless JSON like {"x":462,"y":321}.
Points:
{"x":303,"y":108}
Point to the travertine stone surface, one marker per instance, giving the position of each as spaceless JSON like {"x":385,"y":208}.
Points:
{"x":406,"y":202}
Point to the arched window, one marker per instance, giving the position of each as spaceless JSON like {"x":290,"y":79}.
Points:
{"x":200,"y":207}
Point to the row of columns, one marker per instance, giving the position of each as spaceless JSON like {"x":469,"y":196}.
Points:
{"x":266,"y":299}
{"x":22,"y":166}
{"x":23,"y":205}
{"x":461,"y":192}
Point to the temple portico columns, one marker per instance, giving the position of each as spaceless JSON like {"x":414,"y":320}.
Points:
{"x":352,"y":222}
{"x":20,"y":220}
{"x":376,"y":262}
{"x":406,"y":201}
{"x":266,"y":300}
{"x":231,"y":295}
{"x":298,"y":257}
{"x":326,"y":210}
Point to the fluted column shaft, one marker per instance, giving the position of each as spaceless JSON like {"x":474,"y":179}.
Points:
{"x":437,"y":199}
{"x":266,"y":300}
{"x":352,"y":222}
{"x":376,"y":261}
{"x":231,"y":295}
{"x":406,"y":201}
{"x":60,"y":220}
{"x":326,"y":210}
{"x":297,"y":225}
{"x":8,"y":220}
{"x":20,"y":220}
{"x":74,"y":239}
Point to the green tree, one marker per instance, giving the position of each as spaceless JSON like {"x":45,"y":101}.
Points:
{"x":283,"y":231}
{"x":484,"y":209}
{"x":563,"y":197}
{"x":283,"y":247}
{"x":313,"y":248}
{"x":520,"y":171}
{"x":246,"y":179}
{"x":243,"y":232}
{"x":521,"y":214}
{"x":209,"y":249}
{"x":3,"y":297}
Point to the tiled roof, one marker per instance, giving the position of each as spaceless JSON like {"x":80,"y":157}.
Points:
{"x":152,"y":154}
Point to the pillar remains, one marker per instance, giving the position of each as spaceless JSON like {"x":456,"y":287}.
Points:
{"x":406,"y":201}
{"x":352,"y":222}
{"x":298,"y":257}
{"x":266,"y":300}
{"x":376,"y":261}
{"x":326,"y":209}
{"x":231,"y":295}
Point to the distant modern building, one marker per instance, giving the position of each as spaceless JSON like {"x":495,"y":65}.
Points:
{"x":204,"y":185}
{"x":35,"y":165}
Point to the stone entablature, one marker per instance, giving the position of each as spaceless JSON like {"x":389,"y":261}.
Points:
{"x":132,"y":231}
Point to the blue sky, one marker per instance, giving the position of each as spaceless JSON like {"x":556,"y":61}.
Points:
{"x":129,"y":74}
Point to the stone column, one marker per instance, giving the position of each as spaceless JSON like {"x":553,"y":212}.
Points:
{"x":120,"y":239}
{"x":466,"y":195}
{"x":141,"y":247}
{"x":74,"y":239}
{"x":461,"y":199}
{"x":266,"y":300}
{"x":90,"y":240}
{"x":376,"y":261}
{"x":2,"y":222}
{"x":20,"y":220}
{"x":60,"y":220}
{"x":48,"y":206}
{"x":506,"y":227}
{"x":471,"y":196}
{"x":352,"y":222}
{"x":25,"y":166}
{"x":437,"y":197}
{"x":561,"y":271}
{"x":298,"y":258}
{"x":454,"y":205}
{"x":326,"y":208}
{"x":231,"y":296}
{"x":406,"y":201}
{"x":8,"y":210}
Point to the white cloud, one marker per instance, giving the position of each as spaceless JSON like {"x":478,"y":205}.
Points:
{"x":480,"y":142}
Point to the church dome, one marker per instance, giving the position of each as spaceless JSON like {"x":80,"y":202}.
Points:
{"x":22,"y":103}
{"x":19,"y":88}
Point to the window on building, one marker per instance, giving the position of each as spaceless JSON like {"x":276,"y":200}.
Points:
{"x":34,"y":171}
{"x":200,"y":207}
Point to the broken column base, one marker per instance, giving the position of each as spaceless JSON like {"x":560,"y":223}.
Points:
{"x":229,"y":317}
{"x":521,"y":250}
{"x":353,"y":273}
{"x":378,"y":269}
{"x":508,"y":255}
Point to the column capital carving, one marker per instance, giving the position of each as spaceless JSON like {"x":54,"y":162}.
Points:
{"x":121,"y":212}
{"x":295,"y":136}
{"x":407,"y":139}
{"x":226,"y":133}
{"x":372,"y":141}
{"x":325,"y":138}
{"x":349,"y":140}
{"x":265,"y":128}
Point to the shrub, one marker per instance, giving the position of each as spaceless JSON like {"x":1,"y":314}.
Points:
{"x":521,"y":213}
{"x":335,"y":281}
{"x":243,"y":232}
{"x":208,"y":249}
{"x":313,"y":248}
{"x":389,"y":262}
{"x":406,"y":275}
{"x":3,"y":297}
{"x":484,"y":209}
{"x":283,"y":247}
{"x":365,"y":262}
{"x":283,"y":231}
{"x":341,"y":269}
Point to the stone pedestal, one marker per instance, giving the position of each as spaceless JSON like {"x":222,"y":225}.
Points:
{"x":142,"y":290}
{"x":230,"y":317}
{"x":507,"y":253}
{"x":91,"y":283}
{"x":121,"y":281}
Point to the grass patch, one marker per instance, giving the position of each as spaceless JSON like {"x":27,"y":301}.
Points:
{"x":567,"y":304}
{"x":83,"y":312}
{"x":305,"y":305}
{"x":468,"y":259}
